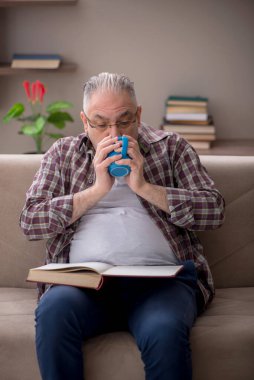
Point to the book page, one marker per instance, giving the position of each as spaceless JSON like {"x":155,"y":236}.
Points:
{"x":69,"y":267}
{"x":143,"y":270}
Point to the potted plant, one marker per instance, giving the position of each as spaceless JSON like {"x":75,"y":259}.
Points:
{"x":36,"y":125}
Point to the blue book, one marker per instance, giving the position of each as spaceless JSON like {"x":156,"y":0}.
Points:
{"x":36,"y":61}
{"x":186,"y":101}
{"x":188,"y":98}
{"x":36,"y":56}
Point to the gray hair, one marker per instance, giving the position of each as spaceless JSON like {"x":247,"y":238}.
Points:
{"x":108,"y":82}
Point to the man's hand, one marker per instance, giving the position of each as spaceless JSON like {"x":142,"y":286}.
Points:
{"x":104,"y":181}
{"x":135,"y":179}
{"x":157,"y":195}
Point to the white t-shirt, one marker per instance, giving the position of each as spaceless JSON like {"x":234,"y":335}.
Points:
{"x":119,"y":231}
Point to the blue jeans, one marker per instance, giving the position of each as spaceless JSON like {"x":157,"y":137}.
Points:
{"x":159,"y":313}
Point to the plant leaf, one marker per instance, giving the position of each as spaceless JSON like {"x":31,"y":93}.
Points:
{"x":58,"y":106}
{"x":40,"y":123}
{"x":29,"y":130}
{"x":58,"y":124}
{"x":59,"y":116}
{"x":34,"y":129}
{"x":58,"y":119}
{"x":15,"y":111}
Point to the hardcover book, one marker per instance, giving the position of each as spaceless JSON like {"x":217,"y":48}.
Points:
{"x":201,"y":144}
{"x":36,"y":61}
{"x":93,"y":274}
{"x":198,"y":137}
{"x":186,"y":116}
{"x":208,"y":129}
{"x":186,"y":109}
{"x":190,"y":122}
{"x":187,"y":101}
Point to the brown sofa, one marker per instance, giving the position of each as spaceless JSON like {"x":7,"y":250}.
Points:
{"x":223,"y":337}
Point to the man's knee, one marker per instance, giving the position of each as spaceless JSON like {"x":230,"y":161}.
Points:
{"x":165,"y":332}
{"x":56,"y":306}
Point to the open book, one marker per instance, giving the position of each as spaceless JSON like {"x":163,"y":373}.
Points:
{"x":92,"y":274}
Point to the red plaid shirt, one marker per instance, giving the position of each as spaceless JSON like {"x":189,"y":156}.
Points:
{"x":194,"y":203}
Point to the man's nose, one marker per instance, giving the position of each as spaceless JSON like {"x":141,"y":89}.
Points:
{"x":114,"y":131}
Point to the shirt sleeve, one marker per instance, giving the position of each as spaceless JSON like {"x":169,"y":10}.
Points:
{"x":194,"y":202}
{"x":47,"y":210}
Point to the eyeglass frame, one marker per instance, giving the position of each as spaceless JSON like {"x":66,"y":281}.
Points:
{"x":130,"y":122}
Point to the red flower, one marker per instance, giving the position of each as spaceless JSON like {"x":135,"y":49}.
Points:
{"x":40,"y":90}
{"x":26,"y":85}
{"x":34,"y":91}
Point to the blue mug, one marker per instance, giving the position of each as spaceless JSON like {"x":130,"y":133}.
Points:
{"x":120,"y":170}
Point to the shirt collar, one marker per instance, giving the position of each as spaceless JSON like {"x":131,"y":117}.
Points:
{"x":148,"y":136}
{"x":85,"y":144}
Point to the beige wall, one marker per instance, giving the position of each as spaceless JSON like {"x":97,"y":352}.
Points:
{"x":186,"y":47}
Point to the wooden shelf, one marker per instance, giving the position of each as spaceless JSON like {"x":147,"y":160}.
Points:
{"x":230,"y":148}
{"x":14,"y":3}
{"x":5,"y":69}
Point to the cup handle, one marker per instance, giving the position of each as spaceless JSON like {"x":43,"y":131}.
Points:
{"x":124,"y":146}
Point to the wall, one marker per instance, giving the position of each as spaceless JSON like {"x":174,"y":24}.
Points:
{"x":186,"y":47}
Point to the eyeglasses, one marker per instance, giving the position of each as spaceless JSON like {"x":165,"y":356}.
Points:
{"x":119,"y":124}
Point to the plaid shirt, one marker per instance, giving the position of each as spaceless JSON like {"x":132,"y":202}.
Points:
{"x":194,"y":204}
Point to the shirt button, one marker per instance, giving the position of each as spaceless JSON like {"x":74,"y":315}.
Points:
{"x":90,"y":181}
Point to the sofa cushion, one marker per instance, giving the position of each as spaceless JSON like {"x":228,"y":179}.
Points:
{"x":17,"y":253}
{"x":229,"y":249}
{"x":17,"y":349}
{"x":222,"y":340}
{"x":223,"y":337}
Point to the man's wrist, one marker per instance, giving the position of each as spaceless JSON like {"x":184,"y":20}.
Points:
{"x":84,"y":200}
{"x":143,"y":189}
{"x":157,"y":195}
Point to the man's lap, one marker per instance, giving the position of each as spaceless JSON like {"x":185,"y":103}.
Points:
{"x":124,"y":303}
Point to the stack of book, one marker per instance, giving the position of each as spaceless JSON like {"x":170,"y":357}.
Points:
{"x":188,"y":116}
{"x":35,"y":61}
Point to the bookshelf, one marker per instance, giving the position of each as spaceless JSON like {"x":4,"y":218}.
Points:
{"x":14,"y":3}
{"x":5,"y":68}
{"x":229,"y":148}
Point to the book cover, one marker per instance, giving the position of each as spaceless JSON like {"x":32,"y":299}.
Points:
{"x":186,"y":109}
{"x":187,"y":100}
{"x":190,"y":122}
{"x":36,"y":56}
{"x":201,"y":144}
{"x":198,"y":137}
{"x":92,"y":274}
{"x":197,"y":129}
{"x":186,"y":116}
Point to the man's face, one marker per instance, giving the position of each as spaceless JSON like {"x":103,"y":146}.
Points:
{"x":110,"y":112}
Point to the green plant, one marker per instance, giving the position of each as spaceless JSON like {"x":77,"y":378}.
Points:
{"x":36,"y":125}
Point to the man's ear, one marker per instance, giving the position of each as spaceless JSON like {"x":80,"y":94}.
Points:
{"x":84,"y":121}
{"x":139,"y":112}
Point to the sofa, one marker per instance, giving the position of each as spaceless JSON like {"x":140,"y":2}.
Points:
{"x":222,"y":339}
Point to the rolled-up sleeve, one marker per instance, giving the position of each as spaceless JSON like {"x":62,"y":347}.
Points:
{"x":47,"y":210}
{"x":194,"y":203}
